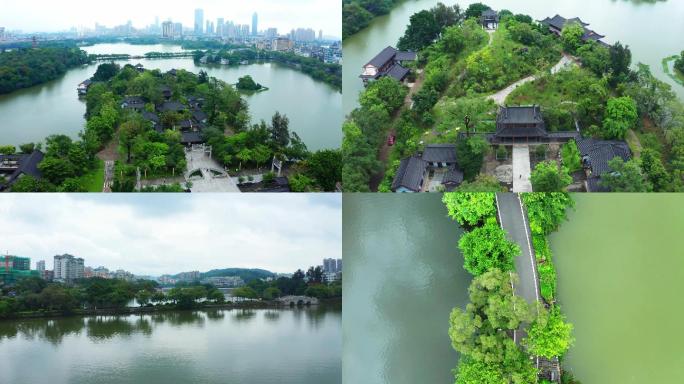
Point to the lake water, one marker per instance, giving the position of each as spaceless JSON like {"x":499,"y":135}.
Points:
{"x":313,"y":107}
{"x":620,"y":264}
{"x":403,"y":275}
{"x":288,"y":346}
{"x":653,"y":29}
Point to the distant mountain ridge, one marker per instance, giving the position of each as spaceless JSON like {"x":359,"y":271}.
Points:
{"x":246,"y":274}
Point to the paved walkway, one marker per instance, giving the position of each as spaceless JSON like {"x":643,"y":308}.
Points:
{"x":213,"y":177}
{"x":513,"y":219}
{"x":521,"y":169}
{"x":108,"y":176}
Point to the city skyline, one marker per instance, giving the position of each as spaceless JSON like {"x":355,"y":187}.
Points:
{"x":167,"y":234}
{"x":283,"y":15}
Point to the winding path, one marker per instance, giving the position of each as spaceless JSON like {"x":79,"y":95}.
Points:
{"x":500,"y":97}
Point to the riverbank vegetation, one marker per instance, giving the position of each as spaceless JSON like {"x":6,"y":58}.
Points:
{"x":357,"y":14}
{"x":26,"y":67}
{"x":33,"y":296}
{"x":328,"y":73}
{"x":482,"y":333}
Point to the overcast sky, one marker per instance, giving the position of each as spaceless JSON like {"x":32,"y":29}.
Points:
{"x":48,"y":16}
{"x":155,"y":234}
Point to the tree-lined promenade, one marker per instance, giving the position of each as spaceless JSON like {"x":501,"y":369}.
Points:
{"x":483,"y":332}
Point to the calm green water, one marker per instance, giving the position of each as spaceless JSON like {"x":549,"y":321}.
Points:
{"x":293,"y":346}
{"x":313,"y":107}
{"x":403,"y":275}
{"x":620,"y":267}
{"x":652,"y":28}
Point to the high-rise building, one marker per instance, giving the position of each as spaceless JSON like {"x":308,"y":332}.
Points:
{"x":167,"y":29}
{"x":40,"y":266}
{"x":13,"y":268}
{"x":245,"y":30}
{"x":219,"y":26}
{"x":68,"y":268}
{"x":210,"y":28}
{"x":320,"y":34}
{"x":177,"y":30}
{"x":255,"y":24}
{"x":199,"y":21}
{"x":2,"y":33}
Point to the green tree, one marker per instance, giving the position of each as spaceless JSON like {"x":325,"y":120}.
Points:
{"x":485,"y":248}
{"x":475,"y":10}
{"x":470,"y":209}
{"x":106,"y":71}
{"x":56,"y":170}
{"x":625,"y":177}
{"x":143,"y":297}
{"x":7,"y":149}
{"x":471,"y":152}
{"x":482,"y":183}
{"x":654,"y":170}
{"x":549,"y":335}
{"x":271,"y":293}
{"x":31,"y":184}
{"x":325,"y":167}
{"x":679,"y":63}
{"x":245,"y":293}
{"x":546,"y":177}
{"x":621,"y":115}
{"x":480,"y":333}
{"x":572,"y":159}
{"x":422,"y":30}
{"x":280,"y":133}
{"x":571,"y":37}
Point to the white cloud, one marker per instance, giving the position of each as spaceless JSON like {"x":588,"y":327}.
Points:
{"x":156,"y":234}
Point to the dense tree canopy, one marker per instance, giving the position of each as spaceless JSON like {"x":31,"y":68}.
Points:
{"x":549,"y":335}
{"x":625,"y":177}
{"x":470,"y":209}
{"x":486,"y":247}
{"x":26,"y":67}
{"x":621,"y":115}
{"x":480,"y":333}
{"x":548,"y":177}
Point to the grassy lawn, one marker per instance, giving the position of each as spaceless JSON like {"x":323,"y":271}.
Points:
{"x":94,"y":180}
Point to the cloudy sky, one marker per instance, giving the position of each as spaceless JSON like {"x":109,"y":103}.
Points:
{"x":153,"y":234}
{"x":48,"y":16}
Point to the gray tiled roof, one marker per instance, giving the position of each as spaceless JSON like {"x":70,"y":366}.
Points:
{"x":398,"y":72}
{"x":191,"y":138}
{"x":27,"y":164}
{"x":383,"y":57}
{"x":440,"y":153}
{"x":173,"y":106}
{"x":530,"y":116}
{"x":410,"y":174}
{"x":600,"y":152}
{"x":405,"y":56}
{"x":559,"y":21}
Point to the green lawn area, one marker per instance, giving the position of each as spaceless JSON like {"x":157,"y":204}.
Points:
{"x":94,"y":180}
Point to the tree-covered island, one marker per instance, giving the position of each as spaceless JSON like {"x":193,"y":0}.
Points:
{"x":447,"y":108}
